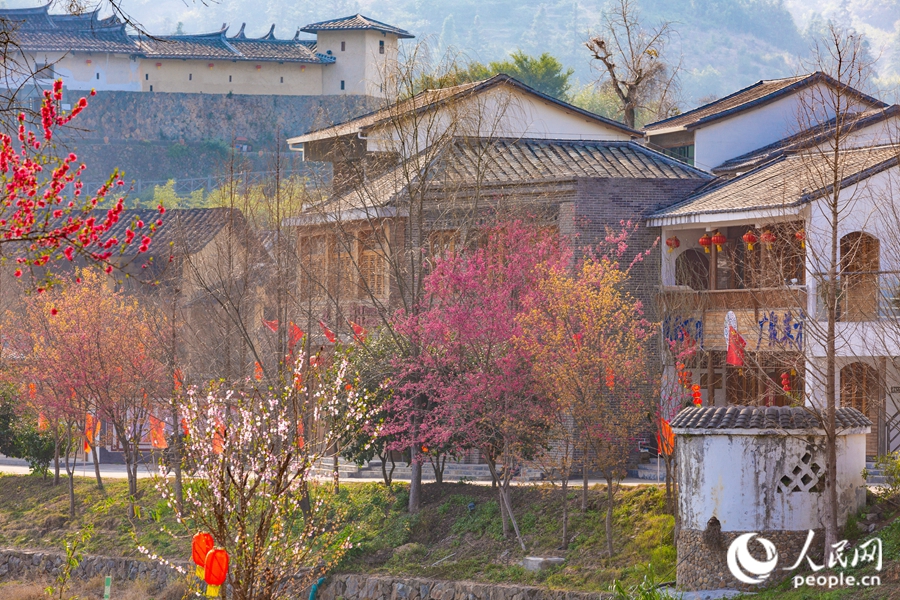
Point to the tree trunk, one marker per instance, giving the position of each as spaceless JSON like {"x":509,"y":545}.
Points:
{"x":609,"y":515}
{"x":584,"y":488}
{"x":336,"y":471}
{"x":415,"y":478}
{"x":437,"y":463}
{"x":565,"y":511}
{"x":97,"y":467}
{"x":177,"y":452}
{"x":56,"y":458}
{"x":504,"y":493}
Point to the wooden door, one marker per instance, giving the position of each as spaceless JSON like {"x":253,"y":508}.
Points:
{"x":860,"y":388}
{"x":859,"y":277}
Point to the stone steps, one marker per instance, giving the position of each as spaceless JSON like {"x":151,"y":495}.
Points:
{"x":876,"y":476}
{"x":648,"y":470}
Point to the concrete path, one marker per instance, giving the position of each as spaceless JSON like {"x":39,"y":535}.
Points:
{"x":15,"y":466}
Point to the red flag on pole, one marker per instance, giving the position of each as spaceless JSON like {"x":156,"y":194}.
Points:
{"x":296,"y":334}
{"x":359,"y":332}
{"x":273,"y":325}
{"x":329,"y":334}
{"x":157,"y":433}
{"x":665,"y":439}
{"x":91,"y":429}
{"x":43,"y":424}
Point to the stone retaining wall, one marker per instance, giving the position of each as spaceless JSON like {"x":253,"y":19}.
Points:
{"x":370,"y":587}
{"x":702,"y":559}
{"x":30,"y":564}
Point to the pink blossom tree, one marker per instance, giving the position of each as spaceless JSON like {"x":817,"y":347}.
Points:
{"x":471,"y":387}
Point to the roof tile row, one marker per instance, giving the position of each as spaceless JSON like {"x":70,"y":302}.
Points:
{"x":770,"y":417}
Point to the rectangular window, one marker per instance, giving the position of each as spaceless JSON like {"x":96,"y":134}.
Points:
{"x":342,"y":84}
{"x":229,"y":79}
{"x":380,"y":46}
{"x":98,"y":75}
{"x":372,"y":272}
{"x":146,"y":76}
{"x":190,"y":76}
{"x":282,"y":80}
{"x":151,"y":87}
{"x":343,"y":46}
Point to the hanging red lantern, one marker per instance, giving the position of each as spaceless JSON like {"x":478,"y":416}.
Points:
{"x":706,"y":242}
{"x":801,"y":237}
{"x":610,"y":378}
{"x":719,"y":240}
{"x":216,"y":570}
{"x":673,"y":243}
{"x":698,"y":396}
{"x":786,"y":382}
{"x":750,"y":239}
{"x":768,"y":238}
{"x":200,"y":547}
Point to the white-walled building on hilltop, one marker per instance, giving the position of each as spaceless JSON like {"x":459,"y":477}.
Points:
{"x":347,"y":56}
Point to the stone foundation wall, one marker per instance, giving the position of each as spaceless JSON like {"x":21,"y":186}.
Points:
{"x":702,"y":562}
{"x":366,"y":587}
{"x":31,"y":564}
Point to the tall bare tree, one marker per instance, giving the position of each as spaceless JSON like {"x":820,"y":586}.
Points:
{"x":633,"y":63}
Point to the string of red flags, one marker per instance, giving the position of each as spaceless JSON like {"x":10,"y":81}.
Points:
{"x":273,"y":325}
{"x":359,"y":332}
{"x":158,"y":433}
{"x":329,"y":334}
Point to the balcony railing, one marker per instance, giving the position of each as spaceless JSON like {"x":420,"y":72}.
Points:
{"x":685,"y":299}
{"x":861,"y":296}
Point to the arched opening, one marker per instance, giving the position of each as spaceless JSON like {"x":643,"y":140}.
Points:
{"x":861,"y":389}
{"x":692,"y":269}
{"x":859,"y":277}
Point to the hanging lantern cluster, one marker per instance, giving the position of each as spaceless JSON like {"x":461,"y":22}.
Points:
{"x":673,"y":243}
{"x":684,"y":376}
{"x":768,"y":238}
{"x":610,"y":378}
{"x":200,"y":547}
{"x":786,"y":382}
{"x":801,"y":237}
{"x":719,"y":240}
{"x":750,"y":238}
{"x":697,"y":395}
{"x":212,"y":562}
{"x":216,"y":571}
{"x":706,"y":242}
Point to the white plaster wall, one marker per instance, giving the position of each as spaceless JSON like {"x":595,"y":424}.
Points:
{"x":102,"y":71}
{"x":733,"y":475}
{"x":727,"y":138}
{"x":359,"y":65}
{"x":503,"y":112}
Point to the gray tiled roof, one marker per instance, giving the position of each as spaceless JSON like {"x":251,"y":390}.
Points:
{"x":758,"y":94}
{"x":357,"y":22}
{"x":805,"y":139}
{"x":465,"y":161}
{"x":515,"y":160}
{"x":763,"y":417}
{"x":785,"y":182}
{"x":217,"y":46}
{"x":34,"y":29}
{"x":189,"y":229}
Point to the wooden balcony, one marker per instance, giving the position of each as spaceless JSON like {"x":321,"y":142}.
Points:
{"x":685,"y":300}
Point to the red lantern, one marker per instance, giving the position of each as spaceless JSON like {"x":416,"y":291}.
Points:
{"x":673,"y":242}
{"x":750,"y":238}
{"x":719,"y":240}
{"x":216,"y":570}
{"x":698,"y":396}
{"x":786,"y":382}
{"x":768,"y":238}
{"x":801,"y":236}
{"x":706,"y":242}
{"x":200,"y":547}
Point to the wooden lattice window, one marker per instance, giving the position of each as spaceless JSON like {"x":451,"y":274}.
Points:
{"x":372,"y":267}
